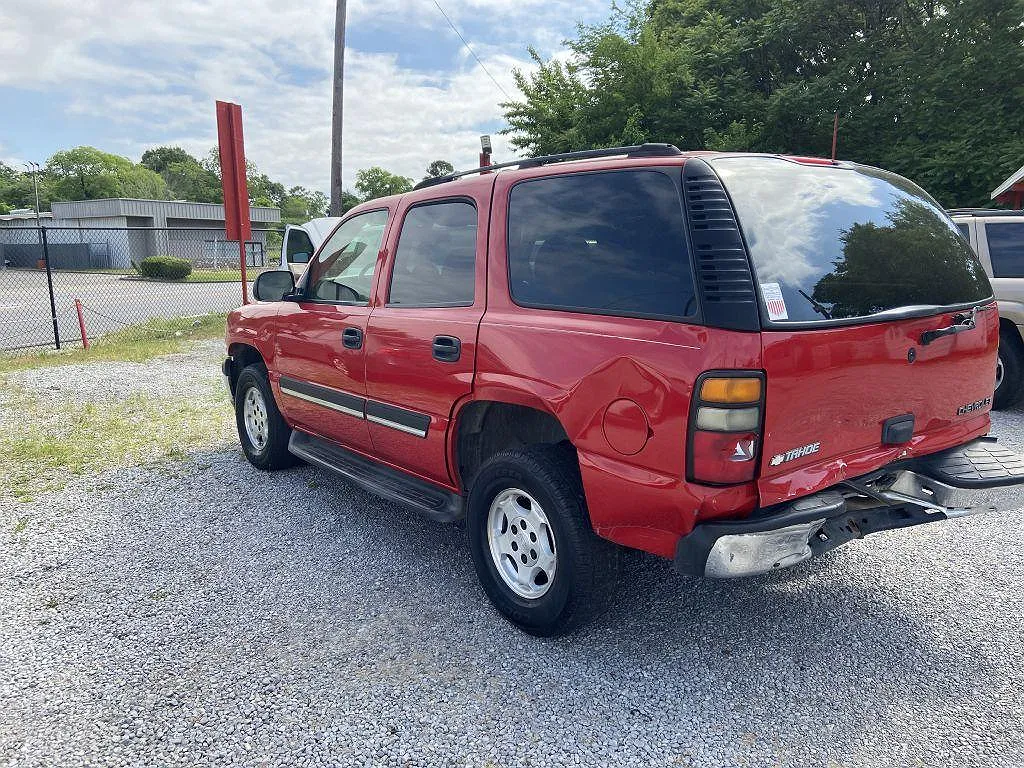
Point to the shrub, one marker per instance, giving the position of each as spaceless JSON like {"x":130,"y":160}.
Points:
{"x":165,"y":268}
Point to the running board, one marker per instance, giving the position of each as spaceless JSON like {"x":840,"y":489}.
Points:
{"x":423,"y":497}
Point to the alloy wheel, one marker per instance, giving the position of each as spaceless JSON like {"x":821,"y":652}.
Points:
{"x":522,"y":543}
{"x":254,"y":413}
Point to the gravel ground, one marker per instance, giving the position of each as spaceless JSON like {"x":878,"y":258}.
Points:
{"x":198,"y":612}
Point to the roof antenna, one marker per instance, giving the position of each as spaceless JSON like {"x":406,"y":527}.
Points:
{"x":835,"y":135}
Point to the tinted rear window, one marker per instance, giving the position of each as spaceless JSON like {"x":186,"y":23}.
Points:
{"x":839,"y":243}
{"x":606,"y":243}
{"x":1006,"y":248}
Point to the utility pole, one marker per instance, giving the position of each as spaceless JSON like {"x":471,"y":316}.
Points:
{"x":34,"y":169}
{"x":339,"y":85}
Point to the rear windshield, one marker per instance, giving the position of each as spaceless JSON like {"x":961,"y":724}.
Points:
{"x":832,"y":243}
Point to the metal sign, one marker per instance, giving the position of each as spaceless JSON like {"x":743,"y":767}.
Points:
{"x":237,"y":226}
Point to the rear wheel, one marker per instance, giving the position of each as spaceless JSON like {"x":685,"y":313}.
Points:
{"x":537,"y":557}
{"x":262,"y":430}
{"x":1009,"y":371}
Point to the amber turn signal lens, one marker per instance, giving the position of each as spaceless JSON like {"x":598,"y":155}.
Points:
{"x":731,"y":390}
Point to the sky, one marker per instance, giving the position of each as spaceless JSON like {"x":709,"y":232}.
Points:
{"x":125,"y":76}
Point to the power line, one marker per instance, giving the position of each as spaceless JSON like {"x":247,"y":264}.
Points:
{"x":470,"y":49}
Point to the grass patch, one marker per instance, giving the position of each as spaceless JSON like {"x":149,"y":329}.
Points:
{"x":53,"y":444}
{"x":221,"y":275}
{"x":135,"y":343}
{"x":208,"y":276}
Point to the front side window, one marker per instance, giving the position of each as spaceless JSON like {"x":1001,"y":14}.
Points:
{"x":1006,"y":248}
{"x":607,"y":243}
{"x":843,"y":242}
{"x":435,"y":263}
{"x":343,"y":270}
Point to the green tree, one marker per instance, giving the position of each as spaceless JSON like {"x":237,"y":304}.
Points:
{"x":86,"y":173}
{"x":439,"y":168}
{"x":375,"y":182}
{"x":8,"y":176}
{"x":158,"y":158}
{"x":300,"y":205}
{"x":188,"y":180}
{"x":16,"y":190}
{"x":929,"y":89}
{"x":185,"y":176}
{"x":262,"y":189}
{"x":349,"y":200}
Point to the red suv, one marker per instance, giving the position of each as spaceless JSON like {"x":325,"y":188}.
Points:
{"x":735,"y":361}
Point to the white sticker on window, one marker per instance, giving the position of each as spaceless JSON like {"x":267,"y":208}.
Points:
{"x":774,"y":302}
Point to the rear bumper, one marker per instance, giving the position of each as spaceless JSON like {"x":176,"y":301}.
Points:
{"x":901,"y":495}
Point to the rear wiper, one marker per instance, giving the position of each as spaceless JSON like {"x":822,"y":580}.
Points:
{"x":962,"y":321}
{"x":818,"y":306}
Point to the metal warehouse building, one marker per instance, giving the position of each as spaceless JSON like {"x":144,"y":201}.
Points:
{"x":114,"y":233}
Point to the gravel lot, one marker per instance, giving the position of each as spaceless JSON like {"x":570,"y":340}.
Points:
{"x":198,"y":612}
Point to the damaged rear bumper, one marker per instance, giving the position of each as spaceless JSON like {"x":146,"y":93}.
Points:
{"x":902,"y":495}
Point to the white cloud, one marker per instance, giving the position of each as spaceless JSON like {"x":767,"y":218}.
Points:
{"x":153,"y":70}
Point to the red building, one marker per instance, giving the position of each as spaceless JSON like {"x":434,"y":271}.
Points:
{"x":1011,"y":191}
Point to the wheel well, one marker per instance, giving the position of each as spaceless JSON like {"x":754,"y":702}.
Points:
{"x":487,"y":427}
{"x":242,"y":356}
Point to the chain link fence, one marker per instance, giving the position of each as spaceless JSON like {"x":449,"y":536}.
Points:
{"x":60,"y":283}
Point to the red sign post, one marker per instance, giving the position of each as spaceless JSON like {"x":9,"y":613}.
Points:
{"x":232,"y":178}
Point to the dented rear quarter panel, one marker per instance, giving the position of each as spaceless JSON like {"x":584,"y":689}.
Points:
{"x":576,"y":365}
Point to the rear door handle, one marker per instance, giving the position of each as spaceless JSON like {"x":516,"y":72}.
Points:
{"x":352,"y":338}
{"x":447,"y":349}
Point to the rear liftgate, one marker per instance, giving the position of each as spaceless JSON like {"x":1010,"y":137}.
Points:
{"x":901,"y":495}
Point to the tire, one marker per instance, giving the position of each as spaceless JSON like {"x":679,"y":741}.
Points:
{"x":585,"y":566}
{"x":1011,"y":358}
{"x":271,"y":452}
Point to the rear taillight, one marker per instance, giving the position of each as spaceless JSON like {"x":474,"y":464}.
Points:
{"x":725,"y":427}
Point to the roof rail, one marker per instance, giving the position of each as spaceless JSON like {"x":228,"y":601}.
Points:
{"x":637,"y":150}
{"x":982,"y":212}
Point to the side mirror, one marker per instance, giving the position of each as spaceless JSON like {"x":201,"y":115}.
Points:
{"x":299,"y":258}
{"x":274,"y":285}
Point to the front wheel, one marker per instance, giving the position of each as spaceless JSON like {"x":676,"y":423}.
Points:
{"x":262,"y":430}
{"x":538,"y":559}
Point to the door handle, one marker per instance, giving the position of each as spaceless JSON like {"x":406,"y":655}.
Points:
{"x":352,"y":338}
{"x":447,"y":349}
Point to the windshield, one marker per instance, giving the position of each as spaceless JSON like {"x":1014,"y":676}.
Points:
{"x":835,"y":243}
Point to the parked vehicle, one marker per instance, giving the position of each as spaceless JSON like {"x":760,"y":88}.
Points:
{"x":734,"y":361}
{"x":998,"y":239}
{"x":300,"y":242}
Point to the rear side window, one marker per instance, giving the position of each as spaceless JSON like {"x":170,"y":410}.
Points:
{"x":1006,"y":248}
{"x":605,"y":243}
{"x":846,"y":242}
{"x":435,"y":264}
